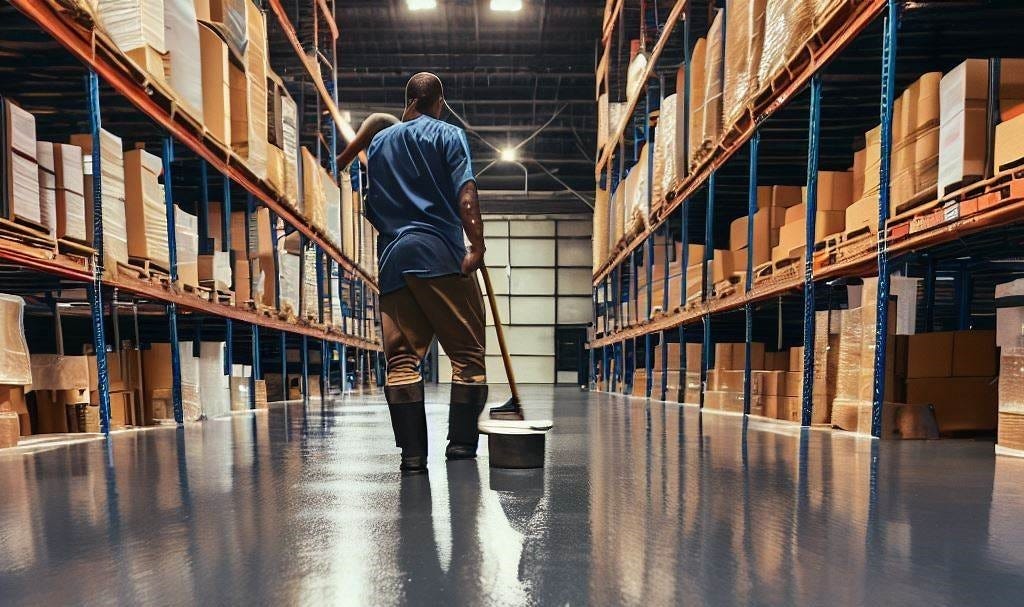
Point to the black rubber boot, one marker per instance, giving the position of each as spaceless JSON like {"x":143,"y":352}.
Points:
{"x":409,"y":421}
{"x":468,"y":401}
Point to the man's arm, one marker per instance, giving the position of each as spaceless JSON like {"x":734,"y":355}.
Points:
{"x":469,"y":212}
{"x":373,"y":124}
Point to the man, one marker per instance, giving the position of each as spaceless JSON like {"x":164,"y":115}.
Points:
{"x":422,"y":200}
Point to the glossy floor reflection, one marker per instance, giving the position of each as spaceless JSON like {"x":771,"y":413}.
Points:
{"x":640,"y":504}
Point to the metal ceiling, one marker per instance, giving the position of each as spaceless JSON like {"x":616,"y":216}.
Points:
{"x":506,"y":74}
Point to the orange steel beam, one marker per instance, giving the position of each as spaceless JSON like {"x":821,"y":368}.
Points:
{"x":612,"y":9}
{"x":620,"y":128}
{"x":329,"y":18}
{"x":864,"y":15}
{"x":79,"y":41}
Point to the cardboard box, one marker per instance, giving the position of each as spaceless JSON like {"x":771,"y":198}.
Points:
{"x":835,"y":191}
{"x":785,"y":196}
{"x":732,"y":356}
{"x":975,"y":354}
{"x":862,"y":214}
{"x":776,"y":361}
{"x":70,"y":186}
{"x":186,"y":235}
{"x":145,"y":208}
{"x":962,"y":404}
{"x":930,"y":355}
{"x":215,"y":268}
{"x":216,"y":83}
{"x":1010,"y":315}
{"x":115,"y":236}
{"x":727,"y":263}
{"x":1009,"y":143}
{"x":796,"y":358}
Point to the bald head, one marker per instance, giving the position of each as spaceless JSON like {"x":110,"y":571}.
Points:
{"x":423,"y":95}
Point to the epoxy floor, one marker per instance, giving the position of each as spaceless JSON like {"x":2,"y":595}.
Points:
{"x":640,"y":504}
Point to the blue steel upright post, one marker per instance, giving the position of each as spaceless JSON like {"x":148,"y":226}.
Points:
{"x":813,"y":150}
{"x":172,"y":254}
{"x":254,"y":329}
{"x":225,"y":239}
{"x":304,"y":339}
{"x":684,"y":237}
{"x":748,"y":308}
{"x":889,"y":39}
{"x":709,"y":255}
{"x":99,"y":331}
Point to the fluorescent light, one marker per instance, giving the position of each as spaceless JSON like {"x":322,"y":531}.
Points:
{"x":507,"y":5}
{"x":421,"y":5}
{"x":509,"y":155}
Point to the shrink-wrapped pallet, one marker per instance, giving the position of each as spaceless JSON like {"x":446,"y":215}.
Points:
{"x":600,"y":236}
{"x":216,"y":82}
{"x":618,"y":215}
{"x":745,"y":30}
{"x":787,"y":27}
{"x":290,"y":146}
{"x":15,"y":365}
{"x":47,"y":181}
{"x":665,"y":150}
{"x":309,"y":298}
{"x":137,"y":27}
{"x":603,"y":125}
{"x":21,"y":196}
{"x":332,"y":206}
{"x":191,"y":399}
{"x":231,"y":15}
{"x":312,"y":191}
{"x":681,"y":122}
{"x":697,"y":83}
{"x":115,"y":237}
{"x":851,"y":341}
{"x":635,"y":73}
{"x":184,"y":55}
{"x":638,"y":202}
{"x":711,"y":114}
{"x":348,"y":206}
{"x":616,"y":112}
{"x":145,"y":208}
{"x":186,"y":240}
{"x":249,"y":99}
{"x":289,"y":282}
{"x":214,"y":385}
{"x":241,"y":377}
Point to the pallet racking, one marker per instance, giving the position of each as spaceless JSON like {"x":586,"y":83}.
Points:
{"x":827,"y":87}
{"x":64,"y":50}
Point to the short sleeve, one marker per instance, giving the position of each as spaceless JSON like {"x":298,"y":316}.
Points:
{"x":460,"y":165}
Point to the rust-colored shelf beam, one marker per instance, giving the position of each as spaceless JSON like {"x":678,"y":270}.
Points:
{"x":87,"y":48}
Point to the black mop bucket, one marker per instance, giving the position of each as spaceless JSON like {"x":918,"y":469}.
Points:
{"x":515,"y":445}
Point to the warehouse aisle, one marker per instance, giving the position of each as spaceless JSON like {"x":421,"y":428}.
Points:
{"x":640,"y":504}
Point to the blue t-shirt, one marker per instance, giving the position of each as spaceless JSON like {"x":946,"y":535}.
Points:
{"x":416,"y":170}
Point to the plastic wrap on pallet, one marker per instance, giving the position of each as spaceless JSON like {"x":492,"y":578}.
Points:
{"x":191,"y":400}
{"x":1009,"y":315}
{"x":115,"y":237}
{"x":214,"y":385}
{"x":348,"y":205}
{"x":601,"y":215}
{"x":635,"y":73}
{"x":638,"y":214}
{"x":231,"y":15}
{"x":47,"y":187}
{"x":332,"y":207}
{"x":602,"y":120}
{"x":239,"y":386}
{"x":15,"y":366}
{"x":744,"y":37}
{"x":665,"y":150}
{"x":134,"y":24}
{"x":1011,"y":380}
{"x":336,"y":318}
{"x":616,"y":110}
{"x":309,"y":290}
{"x":249,"y":127}
{"x":289,"y":128}
{"x":712,"y":113}
{"x":145,"y":208}
{"x":312,"y":191}
{"x":698,"y":75}
{"x":289,"y":282}
{"x":787,"y":27}
{"x":186,"y":237}
{"x":851,"y":339}
{"x":22,"y":189}
{"x":184,"y":55}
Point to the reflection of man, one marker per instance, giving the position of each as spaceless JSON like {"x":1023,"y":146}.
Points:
{"x":422,"y":200}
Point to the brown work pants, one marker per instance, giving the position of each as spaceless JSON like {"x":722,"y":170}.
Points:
{"x":450,"y":307}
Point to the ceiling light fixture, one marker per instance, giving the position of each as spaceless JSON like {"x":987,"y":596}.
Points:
{"x":507,"y":5}
{"x":421,"y":5}
{"x":509,"y":155}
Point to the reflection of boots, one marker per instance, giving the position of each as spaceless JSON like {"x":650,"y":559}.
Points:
{"x":409,"y":421}
{"x":468,"y":401}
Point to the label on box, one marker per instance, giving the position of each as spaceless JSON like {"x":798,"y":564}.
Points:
{"x":951,"y":211}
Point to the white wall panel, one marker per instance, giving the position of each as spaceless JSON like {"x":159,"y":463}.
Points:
{"x":567,"y":377}
{"x":536,"y":228}
{"x":575,"y":310}
{"x":532,"y":311}
{"x":574,"y":281}
{"x":534,"y":341}
{"x":528,"y":369}
{"x":532,"y":252}
{"x":497,"y":252}
{"x":533,"y":281}
{"x":495,"y":227}
{"x":503,"y":308}
{"x":499,"y":280}
{"x":575,"y":253}
{"x":575,"y":228}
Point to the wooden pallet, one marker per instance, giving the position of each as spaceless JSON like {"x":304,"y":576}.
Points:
{"x":18,"y":231}
{"x":147,"y":268}
{"x":226,"y":298}
{"x":204,"y":293}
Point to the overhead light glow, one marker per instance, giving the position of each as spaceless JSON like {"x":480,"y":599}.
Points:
{"x":507,"y":5}
{"x":509,"y":155}
{"x":421,"y":5}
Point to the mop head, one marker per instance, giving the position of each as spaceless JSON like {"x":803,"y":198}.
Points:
{"x":511,"y":410}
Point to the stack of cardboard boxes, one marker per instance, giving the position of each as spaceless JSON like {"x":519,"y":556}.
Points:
{"x":112,"y":184}
{"x":1010,"y":340}
{"x":15,"y":370}
{"x":681,"y":385}
{"x":145,"y":208}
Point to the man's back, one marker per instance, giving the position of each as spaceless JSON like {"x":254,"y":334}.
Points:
{"x":416,"y":170}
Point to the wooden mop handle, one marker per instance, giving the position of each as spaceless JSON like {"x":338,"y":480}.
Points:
{"x":505,"y":358}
